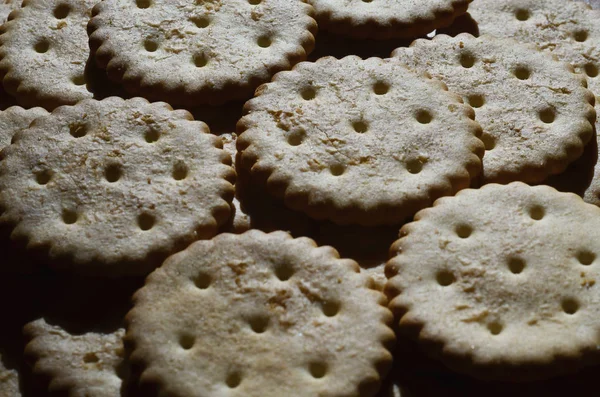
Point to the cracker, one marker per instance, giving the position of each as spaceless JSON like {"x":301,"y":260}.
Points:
{"x":358,"y":141}
{"x":15,"y":119}
{"x":386,"y":19}
{"x":535,"y":113}
{"x":6,"y":7}
{"x":43,"y":53}
{"x":116,"y":185}
{"x":9,"y":380}
{"x":568,"y":29}
{"x":206,"y":52}
{"x":88,"y":364}
{"x":259,"y":315}
{"x":501,"y":282}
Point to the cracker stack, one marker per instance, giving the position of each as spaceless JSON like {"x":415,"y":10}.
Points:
{"x":193,"y":202}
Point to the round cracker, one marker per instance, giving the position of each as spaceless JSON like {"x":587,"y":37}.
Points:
{"x":358,"y":141}
{"x":43,"y":52}
{"x":115,"y":185}
{"x":259,"y":315}
{"x":501,"y":282}
{"x":535,"y":113}
{"x":199,"y":52}
{"x":386,"y":19}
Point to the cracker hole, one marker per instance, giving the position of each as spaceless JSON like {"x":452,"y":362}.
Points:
{"x":445,"y":278}
{"x":522,"y":14}
{"x":424,"y":116}
{"x":467,"y":60}
{"x":113,"y":173}
{"x":476,"y":100}
{"x":495,"y":328}
{"x":570,"y":306}
{"x":78,"y":80}
{"x":90,"y":358}
{"x":360,"y":127}
{"x":337,"y":169}
{"x":200,"y":60}
{"x":522,"y":72}
{"x":186,"y":341}
{"x":516,"y":265}
{"x":586,"y":258}
{"x":537,"y":212}
{"x":62,"y":11}
{"x":295,"y":138}
{"x":284,"y":272}
{"x":308,"y":93}
{"x":547,"y":115}
{"x":255,"y":2}
{"x":201,"y":22}
{"x":591,"y":70}
{"x":180,"y":171}
{"x":151,"y":135}
{"x":150,"y":45}
{"x":42,"y":46}
{"x":142,"y":3}
{"x":69,"y":217}
{"x":318,"y":370}
{"x":264,"y":41}
{"x":259,"y":324}
{"x":463,"y":231}
{"x":489,"y":142}
{"x":381,"y":88}
{"x":77,"y":130}
{"x":330,"y":308}
{"x":146,"y":221}
{"x":43,"y":177}
{"x":202,"y":281}
{"x":414,"y":166}
{"x":580,"y":35}
{"x":233,"y":379}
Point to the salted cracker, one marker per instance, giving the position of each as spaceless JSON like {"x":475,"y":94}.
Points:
{"x":501,"y":282}
{"x":259,"y":315}
{"x":358,"y":141}
{"x":115,"y":185}
{"x":89,"y":364}
{"x":44,"y":51}
{"x":385,"y":19}
{"x":535,"y":112}
{"x":208,"y":51}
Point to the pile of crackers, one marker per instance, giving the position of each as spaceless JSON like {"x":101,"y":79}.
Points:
{"x":299,"y":197}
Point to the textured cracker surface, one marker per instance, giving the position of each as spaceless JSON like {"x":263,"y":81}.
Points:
{"x":509,"y":85}
{"x":53,"y":77}
{"x":387,"y":18}
{"x":104,"y":164}
{"x":568,"y":29}
{"x":505,"y":275}
{"x":207,"y":51}
{"x":254,"y":315}
{"x":382,"y":169}
{"x":86,"y":365}
{"x":15,"y":119}
{"x":6,"y":6}
{"x":9,"y":381}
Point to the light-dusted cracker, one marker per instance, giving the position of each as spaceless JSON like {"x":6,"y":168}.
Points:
{"x":535,"y":113}
{"x":384,"y":19}
{"x":9,"y":381}
{"x":568,"y":29}
{"x":89,"y":364}
{"x":115,"y":185}
{"x":15,"y":119}
{"x":358,"y":141}
{"x":207,"y":51}
{"x":43,"y":52}
{"x":501,"y":282}
{"x":260,"y":315}
{"x":6,"y":7}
